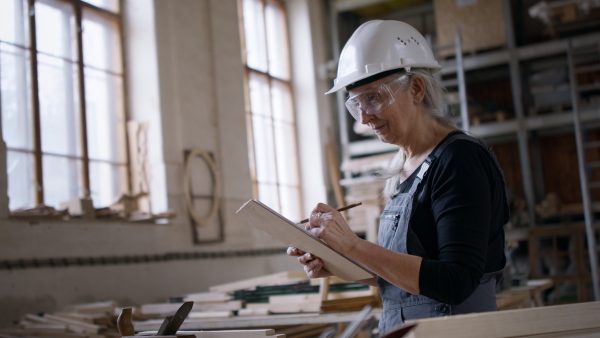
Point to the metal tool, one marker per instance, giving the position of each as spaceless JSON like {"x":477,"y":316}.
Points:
{"x":171,"y":324}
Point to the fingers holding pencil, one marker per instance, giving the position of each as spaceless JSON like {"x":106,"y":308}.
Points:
{"x":331,"y":227}
{"x":339,"y":209}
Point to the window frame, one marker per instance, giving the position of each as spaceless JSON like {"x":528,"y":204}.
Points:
{"x":270,"y":79}
{"x":79,"y":97}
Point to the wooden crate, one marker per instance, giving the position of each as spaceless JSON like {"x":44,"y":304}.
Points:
{"x":481,"y":23}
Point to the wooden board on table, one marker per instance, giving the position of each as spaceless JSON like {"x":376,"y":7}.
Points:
{"x":251,"y":283}
{"x":219,"y":334}
{"x":207,"y":297}
{"x":542,"y":321}
{"x":290,"y":234}
{"x":171,"y":308}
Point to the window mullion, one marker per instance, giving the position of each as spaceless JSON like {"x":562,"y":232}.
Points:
{"x":273,"y":122}
{"x":35,"y":108}
{"x":250,"y":129}
{"x":85,"y":165}
{"x":126,"y":140}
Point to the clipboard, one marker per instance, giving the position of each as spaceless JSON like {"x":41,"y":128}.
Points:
{"x":289,"y":233}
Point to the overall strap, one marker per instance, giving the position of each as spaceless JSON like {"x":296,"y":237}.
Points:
{"x":433,"y":156}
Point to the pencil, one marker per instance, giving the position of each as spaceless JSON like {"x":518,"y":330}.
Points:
{"x":340,"y":209}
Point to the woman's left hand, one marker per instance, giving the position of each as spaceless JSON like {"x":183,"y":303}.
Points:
{"x":329,"y":225}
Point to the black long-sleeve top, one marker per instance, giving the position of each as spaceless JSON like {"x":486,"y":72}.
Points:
{"x":459,"y":222}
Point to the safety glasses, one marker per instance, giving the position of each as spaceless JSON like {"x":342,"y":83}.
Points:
{"x":374,"y":101}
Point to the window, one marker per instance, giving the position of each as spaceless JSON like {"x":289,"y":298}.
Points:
{"x":62,"y":105}
{"x":271,"y":120}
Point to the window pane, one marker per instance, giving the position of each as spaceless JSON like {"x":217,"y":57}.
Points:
{"x":55,"y":29}
{"x":16,"y":108}
{"x":105,"y":116}
{"x":20,"y":180}
{"x":254,"y":29}
{"x":285,"y":146}
{"x":101,"y":43}
{"x":290,"y":200}
{"x":59,"y":116}
{"x":62,"y":179}
{"x":14,"y":25}
{"x":106,"y":182}
{"x":277,"y":42}
{"x":259,"y":95}
{"x":111,"y":5}
{"x":282,"y":102}
{"x":264,"y":150}
{"x":269,"y":195}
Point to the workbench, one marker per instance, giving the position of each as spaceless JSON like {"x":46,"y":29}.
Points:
{"x":528,"y":295}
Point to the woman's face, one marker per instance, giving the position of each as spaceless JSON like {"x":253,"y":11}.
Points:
{"x":393,"y":124}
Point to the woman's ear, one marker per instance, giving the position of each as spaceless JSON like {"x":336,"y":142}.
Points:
{"x":417,"y":89}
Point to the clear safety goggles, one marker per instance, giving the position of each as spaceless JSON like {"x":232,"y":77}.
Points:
{"x":374,"y":101}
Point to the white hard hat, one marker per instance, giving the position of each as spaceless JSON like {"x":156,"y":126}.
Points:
{"x":381,"y":45}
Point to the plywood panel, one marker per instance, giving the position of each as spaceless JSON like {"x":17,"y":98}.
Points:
{"x":481,"y":23}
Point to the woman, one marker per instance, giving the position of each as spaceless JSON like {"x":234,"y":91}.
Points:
{"x":440,"y":249}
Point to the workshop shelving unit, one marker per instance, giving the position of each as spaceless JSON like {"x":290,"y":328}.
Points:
{"x":574,"y":108}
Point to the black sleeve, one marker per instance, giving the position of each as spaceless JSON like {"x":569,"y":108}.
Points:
{"x":461,"y":205}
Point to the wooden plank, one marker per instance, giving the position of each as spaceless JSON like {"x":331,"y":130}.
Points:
{"x":171,"y":308}
{"x":315,"y":297}
{"x":254,"y":312}
{"x":107,"y":307}
{"x":350,"y":304}
{"x":201,"y":297}
{"x":589,"y":333}
{"x":210,"y":314}
{"x":74,"y":325}
{"x":286,"y":277}
{"x":37,"y":319}
{"x":219,"y":333}
{"x":290,"y":234}
{"x":295,"y":307}
{"x":44,"y":328}
{"x":512,"y":323}
{"x":11,"y":333}
{"x":257,"y":306}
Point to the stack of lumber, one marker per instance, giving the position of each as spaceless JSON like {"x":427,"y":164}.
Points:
{"x":221,"y":300}
{"x":303,"y":297}
{"x":368,"y":190}
{"x":94,"y":320}
{"x":365,"y":186}
{"x":280,"y":293}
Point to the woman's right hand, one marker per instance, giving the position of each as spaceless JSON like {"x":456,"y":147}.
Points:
{"x":313,"y":266}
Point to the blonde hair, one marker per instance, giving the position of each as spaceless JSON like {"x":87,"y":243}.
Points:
{"x":434,"y":106}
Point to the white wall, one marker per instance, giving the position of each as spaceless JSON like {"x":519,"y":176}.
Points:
{"x":186,"y":80}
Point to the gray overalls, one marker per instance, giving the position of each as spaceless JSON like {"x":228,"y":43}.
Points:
{"x":394,"y":231}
